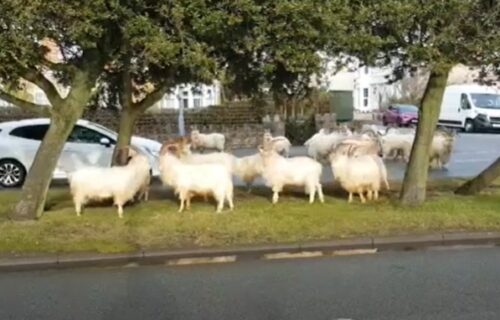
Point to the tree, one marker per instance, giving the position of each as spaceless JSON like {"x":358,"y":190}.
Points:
{"x":434,"y":35}
{"x":411,"y":88}
{"x":92,"y":40}
{"x":132,"y":46}
{"x":274,"y":46}
{"x":481,"y":181}
{"x":242,"y":42}
{"x":77,"y":30}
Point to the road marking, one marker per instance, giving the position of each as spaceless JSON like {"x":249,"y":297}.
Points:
{"x":286,"y":255}
{"x":353,"y":252}
{"x":190,"y":261}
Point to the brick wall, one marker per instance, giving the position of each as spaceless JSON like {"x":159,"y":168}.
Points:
{"x":241,"y":125}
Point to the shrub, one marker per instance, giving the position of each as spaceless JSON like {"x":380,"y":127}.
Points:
{"x":299,"y":130}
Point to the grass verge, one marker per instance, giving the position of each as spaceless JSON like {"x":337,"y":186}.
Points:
{"x":255,"y":220}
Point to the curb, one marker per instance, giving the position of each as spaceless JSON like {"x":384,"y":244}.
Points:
{"x":219,"y":255}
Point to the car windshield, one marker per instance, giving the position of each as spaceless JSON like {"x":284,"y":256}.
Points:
{"x":486,"y":100}
{"x":103,"y":128}
{"x":408,"y":108}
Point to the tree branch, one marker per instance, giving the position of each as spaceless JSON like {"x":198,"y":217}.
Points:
{"x":53,"y":66}
{"x":23,"y":104}
{"x":37,"y":78}
{"x":153,"y":97}
{"x":126,"y":88}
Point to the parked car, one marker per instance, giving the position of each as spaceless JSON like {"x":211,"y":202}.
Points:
{"x":88,"y":144}
{"x":400,"y":115}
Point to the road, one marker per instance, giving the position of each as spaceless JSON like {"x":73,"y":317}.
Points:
{"x":441,"y":285}
{"x":471,"y":155}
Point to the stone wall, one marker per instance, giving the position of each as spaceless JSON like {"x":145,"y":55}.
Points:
{"x":241,"y":125}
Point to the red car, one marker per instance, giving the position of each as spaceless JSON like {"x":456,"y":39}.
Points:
{"x":402,"y":115}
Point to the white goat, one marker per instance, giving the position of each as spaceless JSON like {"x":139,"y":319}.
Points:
{"x":298,"y":171}
{"x":321,"y":144}
{"x":120,"y":183}
{"x":321,"y":132}
{"x":394,"y":143}
{"x":190,"y":179}
{"x":363,"y":145}
{"x":359,"y":174}
{"x":208,"y":141}
{"x":280,"y":144}
{"x":441,"y":149}
{"x":249,"y":168}
{"x":370,"y":128}
{"x":222,"y":158}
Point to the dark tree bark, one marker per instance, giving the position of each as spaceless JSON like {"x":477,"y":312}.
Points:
{"x":413,"y":191}
{"x":131,"y":111}
{"x":483,"y":180}
{"x":64,"y":114}
{"x":128,"y":118}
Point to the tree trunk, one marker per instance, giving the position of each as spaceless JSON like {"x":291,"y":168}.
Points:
{"x":413,"y":191}
{"x":128,"y":117}
{"x":483,"y":180}
{"x":35,"y":188}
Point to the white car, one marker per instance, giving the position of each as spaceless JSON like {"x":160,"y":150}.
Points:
{"x":89,"y":144}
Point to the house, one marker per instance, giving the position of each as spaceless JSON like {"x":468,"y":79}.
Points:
{"x":369,"y":86}
{"x":371,"y":89}
{"x":188,"y":95}
{"x":191,"y":96}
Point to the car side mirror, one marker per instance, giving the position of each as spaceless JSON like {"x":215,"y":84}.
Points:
{"x":105,"y":142}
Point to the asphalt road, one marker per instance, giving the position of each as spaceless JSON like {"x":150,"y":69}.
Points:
{"x":441,"y":285}
{"x":471,"y":155}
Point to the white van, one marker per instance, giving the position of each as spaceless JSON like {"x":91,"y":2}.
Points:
{"x":470,"y":107}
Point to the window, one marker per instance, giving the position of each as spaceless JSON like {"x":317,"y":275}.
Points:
{"x":185,"y":93}
{"x":408,"y":108}
{"x":103,"y":128}
{"x":185,"y":103}
{"x":85,"y":135}
{"x":486,"y":100}
{"x":32,"y":132}
{"x":365,"y":97}
{"x":367,"y":70}
{"x":197,"y":91}
{"x":196,"y":102}
{"x":209,"y":93}
{"x":464,"y":102}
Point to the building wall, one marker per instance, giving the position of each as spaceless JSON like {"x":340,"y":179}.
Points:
{"x":369,"y":85}
{"x":191,"y":96}
{"x":242,"y":125}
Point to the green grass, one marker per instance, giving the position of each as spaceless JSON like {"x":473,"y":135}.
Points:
{"x":255,"y":220}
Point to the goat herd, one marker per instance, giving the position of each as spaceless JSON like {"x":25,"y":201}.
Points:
{"x":355,"y":159}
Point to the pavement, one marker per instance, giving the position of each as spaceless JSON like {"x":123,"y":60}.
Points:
{"x":460,"y":284}
{"x":43,"y":261}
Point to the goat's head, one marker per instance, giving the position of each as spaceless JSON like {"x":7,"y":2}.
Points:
{"x":172,"y":146}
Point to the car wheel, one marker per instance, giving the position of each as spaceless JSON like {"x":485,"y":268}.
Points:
{"x":384,"y":122}
{"x":12,"y":173}
{"x":469,"y":126}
